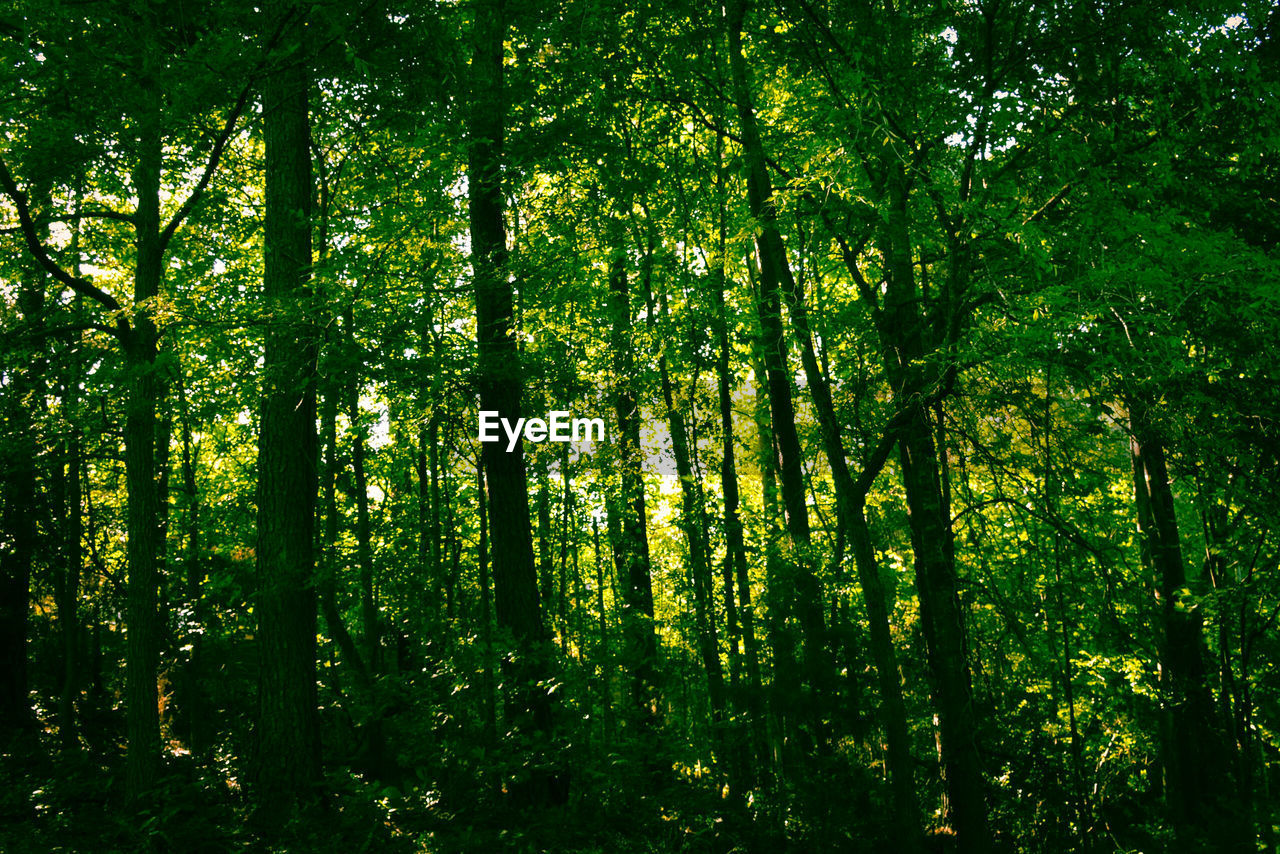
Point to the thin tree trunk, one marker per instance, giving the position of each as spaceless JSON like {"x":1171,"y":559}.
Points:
{"x":631,"y":549}
{"x":780,"y":639}
{"x":439,"y":578}
{"x":452,"y":546}
{"x":69,"y":586}
{"x":72,"y":524}
{"x":850,"y":501}
{"x":566,"y":510}
{"x":326,"y":583}
{"x":745,"y":661}
{"x":694,"y":523}
{"x":735,"y":558}
{"x":486,"y":611}
{"x":194,"y":702}
{"x":606,"y":656}
{"x":364,"y":528}
{"x":546,"y":565}
{"x":1079,"y":795}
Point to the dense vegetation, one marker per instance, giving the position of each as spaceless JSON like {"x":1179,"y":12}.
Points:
{"x":935,"y":343}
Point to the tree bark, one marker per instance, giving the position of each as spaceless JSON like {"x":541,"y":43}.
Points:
{"x":1195,"y":773}
{"x":364,"y":528}
{"x":145,"y":533}
{"x":902,"y":332}
{"x":631,"y":549}
{"x":527,"y":664}
{"x":286,"y":760}
{"x":19,"y":490}
{"x":800,"y":581}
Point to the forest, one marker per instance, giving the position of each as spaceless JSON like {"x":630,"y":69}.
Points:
{"x":899,"y":468}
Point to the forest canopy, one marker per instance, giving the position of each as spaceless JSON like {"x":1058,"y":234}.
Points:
{"x":625,"y":426}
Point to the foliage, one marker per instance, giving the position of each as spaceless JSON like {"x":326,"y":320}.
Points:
{"x":1084,"y":199}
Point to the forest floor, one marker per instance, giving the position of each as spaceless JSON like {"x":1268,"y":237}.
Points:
{"x":74,"y":802}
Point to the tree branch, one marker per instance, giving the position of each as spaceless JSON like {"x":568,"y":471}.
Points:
{"x":224,"y":136}
{"x":78,"y":284}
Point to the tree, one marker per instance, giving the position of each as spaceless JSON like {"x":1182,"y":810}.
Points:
{"x":142,"y":61}
{"x":500,"y":383}
{"x":287,"y":752}
{"x":924,"y":307}
{"x":774,"y":272}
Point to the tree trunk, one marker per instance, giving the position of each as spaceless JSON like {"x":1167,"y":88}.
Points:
{"x":488,"y":707}
{"x":850,"y":506}
{"x":501,"y":386}
{"x":564,"y":615}
{"x":631,"y":549}
{"x":693,"y":521}
{"x":780,"y":639}
{"x":327,"y":582}
{"x":736,"y":579}
{"x":800,"y":582}
{"x":546,"y":566}
{"x":439,"y":578}
{"x":286,"y":761}
{"x":194,"y":701}
{"x":1195,"y":773}
{"x":145,"y":534}
{"x":72,"y":527}
{"x":901,"y":328}
{"x":19,"y":492}
{"x":364,"y":528}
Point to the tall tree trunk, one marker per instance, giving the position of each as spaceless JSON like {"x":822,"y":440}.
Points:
{"x":364,"y":528}
{"x":693,"y":519}
{"x":72,"y":557}
{"x":145,"y":534}
{"x":736,"y":579}
{"x":327,"y":582}
{"x":546,"y":566}
{"x":72,"y":523}
{"x":744,"y":659}
{"x":439,"y":577}
{"x":488,"y":707}
{"x":902,"y":332}
{"x":194,"y":701}
{"x":851,"y":498}
{"x":286,"y":761}
{"x":452,"y":544}
{"x":631,"y":549}
{"x":801,"y":583}
{"x":565,"y":616}
{"x":1195,"y":773}
{"x":19,"y":492}
{"x":780,"y":639}
{"x":501,"y":384}
{"x":605,"y":655}
{"x":850,"y":495}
